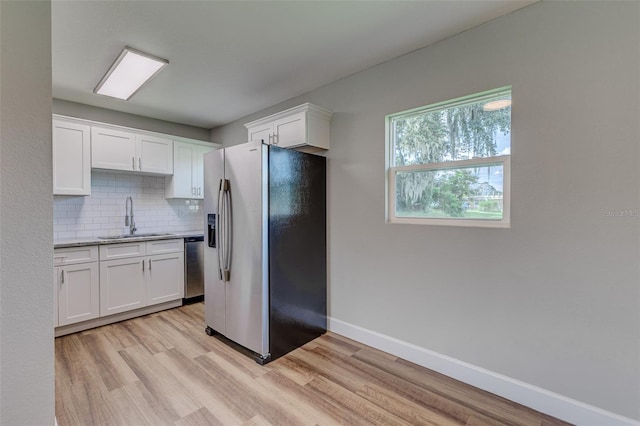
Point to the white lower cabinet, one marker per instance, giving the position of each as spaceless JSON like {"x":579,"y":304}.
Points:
{"x":76,"y":285}
{"x":98,"y":281}
{"x":143,"y":278}
{"x":165,"y":278}
{"x":78,"y":293}
{"x":55,"y":296}
{"x":121,"y":285}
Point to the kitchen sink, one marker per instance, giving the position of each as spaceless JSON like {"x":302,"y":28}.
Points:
{"x":124,"y":236}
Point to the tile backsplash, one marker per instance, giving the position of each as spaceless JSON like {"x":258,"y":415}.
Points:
{"x":102,"y":213}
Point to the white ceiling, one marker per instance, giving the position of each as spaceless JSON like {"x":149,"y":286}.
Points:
{"x":231,"y":58}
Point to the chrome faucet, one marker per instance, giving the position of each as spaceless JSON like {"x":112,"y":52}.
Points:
{"x":128,"y":219}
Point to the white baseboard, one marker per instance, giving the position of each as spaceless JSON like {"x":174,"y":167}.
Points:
{"x":539,"y":399}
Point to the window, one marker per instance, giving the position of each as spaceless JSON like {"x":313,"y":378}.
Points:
{"x":448,"y":163}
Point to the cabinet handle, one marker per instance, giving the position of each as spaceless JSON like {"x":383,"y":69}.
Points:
{"x":275,"y":139}
{"x":199,"y":190}
{"x":133,"y":163}
{"x":143,"y":265}
{"x":62,"y":278}
{"x":140,"y":163}
{"x":149,"y":264}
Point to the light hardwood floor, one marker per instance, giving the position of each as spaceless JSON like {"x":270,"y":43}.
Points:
{"x":162,"y":369}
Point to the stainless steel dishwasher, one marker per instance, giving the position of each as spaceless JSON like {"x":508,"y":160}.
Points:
{"x":193,"y":269}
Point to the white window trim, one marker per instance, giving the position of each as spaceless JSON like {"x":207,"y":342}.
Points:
{"x":505,"y":222}
{"x":453,"y":103}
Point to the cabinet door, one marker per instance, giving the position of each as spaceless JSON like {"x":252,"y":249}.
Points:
{"x":113,"y":149}
{"x":121,"y":285}
{"x":78,"y":293}
{"x":56,"y":274}
{"x":198,"y":170}
{"x":291,"y":131}
{"x":188,"y":164}
{"x":165,"y":278}
{"x":181,"y":184}
{"x":71,"y":158}
{"x":155,"y":155}
{"x":261,"y":132}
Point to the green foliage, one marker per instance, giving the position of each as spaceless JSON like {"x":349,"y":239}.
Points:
{"x":492,"y":206}
{"x":451,"y":190}
{"x":472,"y":131}
{"x":420,"y":139}
{"x":454,"y":133}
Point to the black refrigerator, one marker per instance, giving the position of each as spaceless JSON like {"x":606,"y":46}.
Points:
{"x":266,"y":256}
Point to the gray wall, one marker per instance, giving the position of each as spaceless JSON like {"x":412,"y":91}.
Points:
{"x":554,"y":301}
{"x":26,"y":240}
{"x":88,"y":112}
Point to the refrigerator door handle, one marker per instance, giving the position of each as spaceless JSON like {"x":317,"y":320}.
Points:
{"x":228,"y":233}
{"x":219,"y":230}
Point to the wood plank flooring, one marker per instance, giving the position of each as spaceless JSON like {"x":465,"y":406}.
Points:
{"x":162,"y":369}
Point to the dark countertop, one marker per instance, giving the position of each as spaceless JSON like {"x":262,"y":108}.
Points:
{"x":80,"y":242}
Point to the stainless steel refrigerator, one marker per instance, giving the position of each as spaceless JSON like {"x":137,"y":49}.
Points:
{"x":265,"y":260}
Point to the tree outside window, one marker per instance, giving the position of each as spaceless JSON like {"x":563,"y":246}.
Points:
{"x":449,"y":161}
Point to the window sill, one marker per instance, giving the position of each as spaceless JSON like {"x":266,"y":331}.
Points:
{"x":451,"y":222}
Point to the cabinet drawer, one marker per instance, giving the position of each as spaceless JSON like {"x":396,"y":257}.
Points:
{"x":71,"y":255}
{"x":165,"y":246}
{"x":119,"y":251}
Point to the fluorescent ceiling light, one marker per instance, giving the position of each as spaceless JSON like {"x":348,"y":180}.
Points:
{"x":132,"y":70}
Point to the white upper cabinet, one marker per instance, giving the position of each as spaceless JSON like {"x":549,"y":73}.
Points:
{"x":80,"y":145}
{"x":155,"y":155}
{"x":291,"y":131}
{"x":113,"y":149}
{"x":181,"y":185}
{"x":260,"y":132}
{"x":71,"y":158}
{"x":116,"y":149}
{"x":187,"y":180}
{"x":198,"y":169}
{"x":305,"y":127}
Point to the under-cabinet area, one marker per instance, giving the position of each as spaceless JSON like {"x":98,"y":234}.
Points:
{"x":96,"y":285}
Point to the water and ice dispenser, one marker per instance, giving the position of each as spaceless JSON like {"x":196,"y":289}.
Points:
{"x":211,"y":230}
